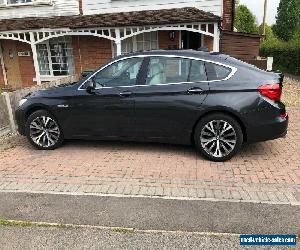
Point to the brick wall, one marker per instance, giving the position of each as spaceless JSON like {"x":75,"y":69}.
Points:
{"x":90,"y":52}
{"x":208,"y":43}
{"x":227,"y":14}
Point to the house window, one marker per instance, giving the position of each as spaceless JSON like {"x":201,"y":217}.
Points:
{"x":147,"y":41}
{"x":14,"y":2}
{"x":18,"y":1}
{"x":23,"y":2}
{"x":55,"y":57}
{"x":144,"y":41}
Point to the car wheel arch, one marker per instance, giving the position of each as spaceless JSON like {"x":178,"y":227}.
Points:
{"x":222,"y":111}
{"x":35,"y":108}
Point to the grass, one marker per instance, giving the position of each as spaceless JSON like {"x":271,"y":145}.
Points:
{"x":20,"y":223}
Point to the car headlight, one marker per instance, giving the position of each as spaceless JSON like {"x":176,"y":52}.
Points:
{"x":22,"y":101}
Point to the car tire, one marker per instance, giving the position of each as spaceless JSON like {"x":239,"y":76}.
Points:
{"x":43,"y":131}
{"x":218,"y":137}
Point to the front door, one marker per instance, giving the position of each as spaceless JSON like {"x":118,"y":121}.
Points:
{"x":168,"y":104}
{"x":107,"y":111}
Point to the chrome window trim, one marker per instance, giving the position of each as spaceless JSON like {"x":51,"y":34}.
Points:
{"x":233,"y":71}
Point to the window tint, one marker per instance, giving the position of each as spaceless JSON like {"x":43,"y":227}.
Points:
{"x":198,"y":71}
{"x":216,"y":72}
{"x":122,"y":73}
{"x":163,"y":70}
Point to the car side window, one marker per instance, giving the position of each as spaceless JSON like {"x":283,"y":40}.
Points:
{"x":198,"y":71}
{"x":216,"y":72}
{"x":121,"y":73}
{"x":164,"y":70}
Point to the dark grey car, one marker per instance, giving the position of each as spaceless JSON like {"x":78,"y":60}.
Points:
{"x":212,"y":101}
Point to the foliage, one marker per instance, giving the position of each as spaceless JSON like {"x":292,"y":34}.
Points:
{"x":269,"y":32}
{"x":288,"y":20}
{"x":245,"y":21}
{"x":286,"y":54}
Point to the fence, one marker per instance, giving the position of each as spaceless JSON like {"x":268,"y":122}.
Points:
{"x":9,"y":101}
{"x":4,"y":118}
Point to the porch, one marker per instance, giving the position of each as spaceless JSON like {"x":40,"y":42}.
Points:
{"x":73,"y":45}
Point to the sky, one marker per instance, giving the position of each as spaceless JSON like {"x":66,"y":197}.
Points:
{"x":257,"y":8}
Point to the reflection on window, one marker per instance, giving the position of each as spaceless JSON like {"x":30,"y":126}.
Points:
{"x":122,"y":73}
{"x":216,"y":72}
{"x":163,"y":70}
{"x":55,"y":57}
{"x":198,"y":72}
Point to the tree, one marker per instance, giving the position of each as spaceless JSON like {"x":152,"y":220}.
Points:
{"x":287,"y":24}
{"x":269,"y":32}
{"x":245,"y":21}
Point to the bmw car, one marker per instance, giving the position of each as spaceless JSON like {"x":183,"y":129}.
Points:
{"x":209,"y":100}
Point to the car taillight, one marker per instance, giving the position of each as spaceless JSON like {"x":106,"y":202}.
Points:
{"x":272,"y":91}
{"x":283,"y":115}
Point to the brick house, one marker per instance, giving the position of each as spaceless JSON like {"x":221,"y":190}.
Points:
{"x":42,"y":40}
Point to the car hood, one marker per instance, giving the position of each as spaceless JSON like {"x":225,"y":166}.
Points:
{"x":55,"y":91}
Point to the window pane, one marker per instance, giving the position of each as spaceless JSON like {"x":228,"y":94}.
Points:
{"x":18,"y":1}
{"x":61,"y":56}
{"x":42,"y":56}
{"x":198,"y":72}
{"x":147,"y":36}
{"x":147,"y":45}
{"x":139,"y":46}
{"x":153,"y":36}
{"x":216,"y":72}
{"x":140,"y":38}
{"x":154,"y":45}
{"x":122,"y":73}
{"x":163,"y":70}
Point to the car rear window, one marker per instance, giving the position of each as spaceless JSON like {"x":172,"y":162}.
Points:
{"x":216,"y":72}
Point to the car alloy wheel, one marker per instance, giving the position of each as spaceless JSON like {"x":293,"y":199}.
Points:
{"x":218,"y":138}
{"x":44,"y":131}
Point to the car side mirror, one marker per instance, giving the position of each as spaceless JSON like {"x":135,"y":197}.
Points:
{"x":91,"y":86}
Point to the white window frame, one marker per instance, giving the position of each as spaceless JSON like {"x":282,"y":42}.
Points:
{"x":32,"y":2}
{"x":51,"y":75}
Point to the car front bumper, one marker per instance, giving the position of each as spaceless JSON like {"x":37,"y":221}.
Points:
{"x":20,"y":119}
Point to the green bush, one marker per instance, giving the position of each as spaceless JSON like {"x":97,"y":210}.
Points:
{"x":286,"y":54}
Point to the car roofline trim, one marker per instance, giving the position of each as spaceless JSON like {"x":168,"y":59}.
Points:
{"x":233,"y":69}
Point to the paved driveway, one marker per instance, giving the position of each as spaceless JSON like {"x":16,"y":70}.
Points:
{"x":268,"y":171}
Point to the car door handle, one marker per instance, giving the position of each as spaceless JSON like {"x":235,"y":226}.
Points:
{"x":195,"y":91}
{"x":125,"y":94}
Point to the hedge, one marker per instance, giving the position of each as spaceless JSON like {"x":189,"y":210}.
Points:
{"x":286,"y":55}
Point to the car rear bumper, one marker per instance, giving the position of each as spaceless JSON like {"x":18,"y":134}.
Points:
{"x":270,"y":131}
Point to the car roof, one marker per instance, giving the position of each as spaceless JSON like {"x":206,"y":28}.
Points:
{"x":213,"y":56}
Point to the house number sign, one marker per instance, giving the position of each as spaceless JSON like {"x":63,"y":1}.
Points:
{"x":24,"y":53}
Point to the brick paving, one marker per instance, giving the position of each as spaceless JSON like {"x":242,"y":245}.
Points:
{"x":263,"y":172}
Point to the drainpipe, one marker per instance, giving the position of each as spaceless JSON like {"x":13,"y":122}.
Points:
{"x":233,"y":15}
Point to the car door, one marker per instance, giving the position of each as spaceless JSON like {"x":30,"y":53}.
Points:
{"x":107,"y":110}
{"x":168,"y":104}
